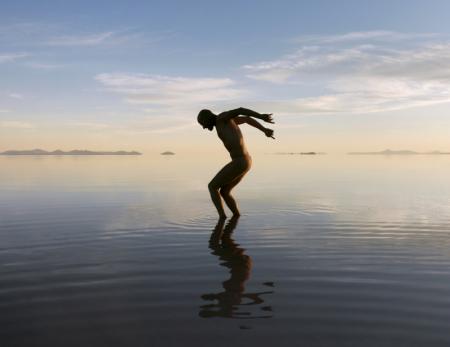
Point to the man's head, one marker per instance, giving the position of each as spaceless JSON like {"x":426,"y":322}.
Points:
{"x":207,"y":119}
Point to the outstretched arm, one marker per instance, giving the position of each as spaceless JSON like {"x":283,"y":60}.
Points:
{"x":224,"y":116}
{"x":268,"y":132}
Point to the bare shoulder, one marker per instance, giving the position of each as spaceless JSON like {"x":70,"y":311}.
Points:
{"x":223,"y":117}
{"x":226,"y":115}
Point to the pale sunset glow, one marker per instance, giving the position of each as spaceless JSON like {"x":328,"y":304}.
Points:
{"x":134,"y":75}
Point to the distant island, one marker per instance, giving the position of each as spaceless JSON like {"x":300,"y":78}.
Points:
{"x":73,"y":152}
{"x":299,"y":153}
{"x":399,"y":152}
{"x":167,"y":153}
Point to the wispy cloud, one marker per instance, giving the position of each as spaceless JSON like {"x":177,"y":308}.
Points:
{"x":10,"y":57}
{"x":4,"y":111}
{"x":15,"y":95}
{"x":91,"y":125}
{"x":44,"y":66}
{"x":105,"y":38}
{"x":35,"y":34}
{"x":169,"y":103}
{"x":25,"y":30}
{"x":81,"y":40}
{"x":169,"y":91}
{"x":363,"y":76}
{"x":16,"y":125}
{"x":164,"y":126}
{"x":374,"y":35}
{"x":172,"y":128}
{"x":159,"y":123}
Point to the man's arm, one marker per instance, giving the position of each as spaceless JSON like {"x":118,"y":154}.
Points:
{"x":227,"y":115}
{"x":268,"y":132}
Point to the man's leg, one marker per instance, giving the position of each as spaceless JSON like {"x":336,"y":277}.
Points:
{"x":217,"y":201}
{"x":243,"y":164}
{"x":228,"y":198}
{"x":226,"y":175}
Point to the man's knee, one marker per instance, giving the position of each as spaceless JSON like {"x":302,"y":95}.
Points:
{"x":213,"y":186}
{"x":225,"y":191}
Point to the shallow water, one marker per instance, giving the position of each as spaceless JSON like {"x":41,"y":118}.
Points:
{"x":127,"y":251}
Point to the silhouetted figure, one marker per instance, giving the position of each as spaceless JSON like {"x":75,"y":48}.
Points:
{"x":230,"y":175}
{"x":233,"y":299}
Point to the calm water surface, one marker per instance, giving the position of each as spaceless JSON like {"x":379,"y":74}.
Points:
{"x":127,"y":251}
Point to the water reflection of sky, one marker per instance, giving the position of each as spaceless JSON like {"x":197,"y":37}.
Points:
{"x":326,"y":246}
{"x":371,"y":188}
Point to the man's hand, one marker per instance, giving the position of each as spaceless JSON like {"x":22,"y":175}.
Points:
{"x":269,"y":133}
{"x":267,"y":117}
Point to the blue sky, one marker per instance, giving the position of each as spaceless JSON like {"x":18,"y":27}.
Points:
{"x":133,"y":74}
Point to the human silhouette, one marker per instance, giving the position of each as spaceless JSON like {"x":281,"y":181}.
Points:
{"x":227,"y":126}
{"x":233,"y":302}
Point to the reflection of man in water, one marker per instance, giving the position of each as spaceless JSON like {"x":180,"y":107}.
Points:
{"x":233,"y":302}
{"x":230,"y":175}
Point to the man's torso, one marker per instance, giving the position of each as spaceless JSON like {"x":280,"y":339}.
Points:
{"x":232,"y":138}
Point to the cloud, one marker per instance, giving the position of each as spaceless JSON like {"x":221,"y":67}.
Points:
{"x":167,"y":91}
{"x":81,"y":40}
{"x":4,"y":111}
{"x":363,"y":77}
{"x":375,"y":35}
{"x":91,"y":125}
{"x":22,"y":30}
{"x":10,"y":57}
{"x":39,"y":34}
{"x":15,"y":95}
{"x":44,"y":66}
{"x":163,"y":127}
{"x":15,"y":125}
{"x":158,"y":123}
{"x":106,"y":38}
{"x":172,"y":128}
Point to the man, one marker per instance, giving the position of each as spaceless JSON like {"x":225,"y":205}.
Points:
{"x":227,"y":126}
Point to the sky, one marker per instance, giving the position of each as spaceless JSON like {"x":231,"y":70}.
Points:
{"x":338,"y":76}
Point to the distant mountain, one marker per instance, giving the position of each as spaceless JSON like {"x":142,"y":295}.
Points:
{"x":167,"y":153}
{"x":73,"y":152}
{"x":436,"y":152}
{"x":391,"y":152}
{"x":388,"y":152}
{"x":299,"y":153}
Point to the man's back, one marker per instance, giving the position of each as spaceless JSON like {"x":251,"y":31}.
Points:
{"x":232,"y":138}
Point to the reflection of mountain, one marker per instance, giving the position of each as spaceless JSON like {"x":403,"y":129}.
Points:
{"x":233,"y":302}
{"x":401,"y":152}
{"x":73,"y":152}
{"x":167,"y":153}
